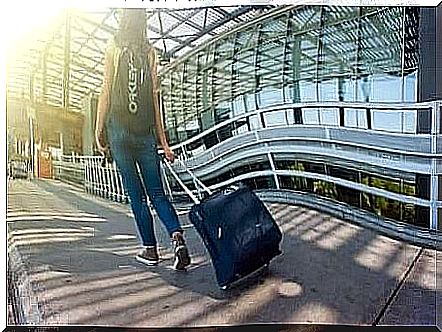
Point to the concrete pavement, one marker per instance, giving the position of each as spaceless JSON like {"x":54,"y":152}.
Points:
{"x":71,"y":260}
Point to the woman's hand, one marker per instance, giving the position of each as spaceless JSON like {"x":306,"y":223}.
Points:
{"x":168,"y":153}
{"x":102,"y":147}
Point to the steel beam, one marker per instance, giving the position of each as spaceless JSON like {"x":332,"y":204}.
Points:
{"x":240,"y":11}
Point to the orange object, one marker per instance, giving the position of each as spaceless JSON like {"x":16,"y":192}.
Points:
{"x":45,"y":165}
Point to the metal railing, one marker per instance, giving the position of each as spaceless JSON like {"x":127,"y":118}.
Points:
{"x":227,"y":145}
{"x":422,"y":145}
{"x":103,"y":179}
{"x":416,"y":235}
{"x":97,"y":177}
{"x":69,"y":170}
{"x":261,"y":119}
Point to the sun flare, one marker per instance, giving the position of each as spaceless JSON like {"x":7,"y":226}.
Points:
{"x":26,"y":24}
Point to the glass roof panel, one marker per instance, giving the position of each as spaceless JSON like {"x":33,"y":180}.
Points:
{"x":41,"y":56}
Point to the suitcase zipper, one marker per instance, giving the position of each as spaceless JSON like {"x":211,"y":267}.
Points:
{"x":258,"y":229}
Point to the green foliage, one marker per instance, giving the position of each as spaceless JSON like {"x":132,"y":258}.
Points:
{"x":324,"y":188}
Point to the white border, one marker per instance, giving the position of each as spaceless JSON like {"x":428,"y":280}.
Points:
{"x":98,"y":4}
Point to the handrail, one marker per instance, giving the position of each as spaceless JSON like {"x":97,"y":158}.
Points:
{"x":430,"y":238}
{"x":281,"y":107}
{"x":250,"y":144}
{"x":104,"y":181}
{"x":346,"y":183}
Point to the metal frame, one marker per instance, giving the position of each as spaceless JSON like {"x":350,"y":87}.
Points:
{"x":268,"y":77}
{"x":434,"y":176}
{"x":102,"y":180}
{"x":92,"y":37}
{"x":243,"y":151}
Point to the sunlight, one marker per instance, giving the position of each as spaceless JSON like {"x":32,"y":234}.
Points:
{"x":61,"y":236}
{"x":50,"y":240}
{"x":429,"y":271}
{"x":120,"y":251}
{"x":98,"y":284}
{"x":339,"y":236}
{"x":46,"y":230}
{"x":315,"y":312}
{"x":83,"y":313}
{"x":404,"y":258}
{"x":248,"y":304}
{"x":295,"y":220}
{"x":289,"y":289}
{"x":29,"y":237}
{"x":323,"y":227}
{"x":375,"y":254}
{"x":121,"y":237}
{"x":54,"y":217}
{"x":47,"y":275}
{"x":48,"y":213}
{"x":24,"y":24}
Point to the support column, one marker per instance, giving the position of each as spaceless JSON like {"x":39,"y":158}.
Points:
{"x":67,"y":60}
{"x":320,"y":55}
{"x":31,"y":117}
{"x":44,"y":76}
{"x":434,"y":179}
{"x":90,"y":117}
{"x":429,"y":89}
{"x":273,"y":168}
{"x":234,"y":74}
{"x":296,"y":63}
{"x":285,"y":63}
{"x":258,"y":72}
{"x":65,"y":84}
{"x":341,"y":83}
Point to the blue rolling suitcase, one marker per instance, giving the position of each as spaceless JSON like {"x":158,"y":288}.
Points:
{"x":239,"y":232}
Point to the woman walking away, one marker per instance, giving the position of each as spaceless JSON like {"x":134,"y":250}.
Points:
{"x":128,"y":117}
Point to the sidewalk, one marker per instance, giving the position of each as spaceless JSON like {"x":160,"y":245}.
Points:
{"x":72,"y":256}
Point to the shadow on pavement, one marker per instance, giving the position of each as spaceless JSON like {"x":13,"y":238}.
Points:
{"x":330,"y":272}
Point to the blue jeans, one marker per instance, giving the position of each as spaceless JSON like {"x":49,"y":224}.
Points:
{"x":130,"y":151}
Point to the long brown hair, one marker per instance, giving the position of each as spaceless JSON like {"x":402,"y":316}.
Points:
{"x":132,"y":29}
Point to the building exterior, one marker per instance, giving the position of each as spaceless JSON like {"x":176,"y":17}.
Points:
{"x":317,"y":99}
{"x":336,"y":105}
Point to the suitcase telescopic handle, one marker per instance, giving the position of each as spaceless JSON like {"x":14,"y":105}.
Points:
{"x":186,"y":189}
{"x":198,"y":181}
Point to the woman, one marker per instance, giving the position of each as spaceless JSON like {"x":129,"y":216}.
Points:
{"x":129,"y":118}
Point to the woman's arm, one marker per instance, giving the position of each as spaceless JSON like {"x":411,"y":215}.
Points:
{"x":158,"y":121}
{"x":104,"y":101}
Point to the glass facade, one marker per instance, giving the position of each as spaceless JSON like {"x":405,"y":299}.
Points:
{"x":306,"y":54}
{"x":394,"y":182}
{"x":400,"y":183}
{"x":302,"y":55}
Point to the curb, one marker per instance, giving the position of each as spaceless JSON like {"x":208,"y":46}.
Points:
{"x":21,"y":295}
